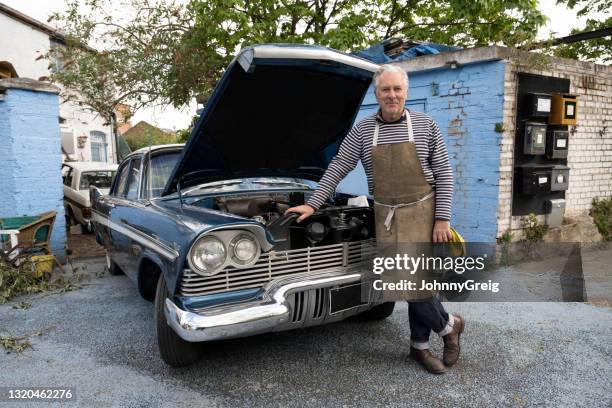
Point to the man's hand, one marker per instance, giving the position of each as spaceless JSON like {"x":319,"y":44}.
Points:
{"x":305,"y":211}
{"x":441,"y":231}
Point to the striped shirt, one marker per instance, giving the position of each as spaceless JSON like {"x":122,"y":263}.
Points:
{"x":357,"y":145}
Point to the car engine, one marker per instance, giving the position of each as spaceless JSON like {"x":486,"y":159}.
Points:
{"x":331,"y":224}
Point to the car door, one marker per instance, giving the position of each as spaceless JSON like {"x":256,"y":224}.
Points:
{"x":103,"y":209}
{"x":125,"y":216}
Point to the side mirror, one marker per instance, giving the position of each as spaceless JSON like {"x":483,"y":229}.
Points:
{"x":94,"y":194}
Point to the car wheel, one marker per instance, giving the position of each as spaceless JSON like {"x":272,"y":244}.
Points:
{"x":175,"y":351}
{"x":379,"y":312}
{"x":111,"y":266}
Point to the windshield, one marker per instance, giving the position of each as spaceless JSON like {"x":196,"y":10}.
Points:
{"x":161,"y":168}
{"x":100,"y":179}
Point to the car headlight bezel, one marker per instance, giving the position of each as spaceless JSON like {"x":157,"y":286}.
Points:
{"x":198,"y":243}
{"x":234,"y":247}
{"x":230,"y":239}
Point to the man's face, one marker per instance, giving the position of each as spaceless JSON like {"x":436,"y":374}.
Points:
{"x":391,"y":94}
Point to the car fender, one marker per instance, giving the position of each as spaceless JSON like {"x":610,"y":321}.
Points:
{"x":145,"y":281}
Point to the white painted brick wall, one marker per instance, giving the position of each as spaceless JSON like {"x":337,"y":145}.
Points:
{"x":590,"y":147}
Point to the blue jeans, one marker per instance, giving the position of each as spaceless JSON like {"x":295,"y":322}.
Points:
{"x":425,"y":316}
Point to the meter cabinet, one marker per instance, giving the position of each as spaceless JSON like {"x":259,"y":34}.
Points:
{"x":557,"y":142}
{"x":559,"y":178}
{"x":535,"y":179}
{"x":534,"y":142}
{"x":537,"y":105}
{"x":564,"y":109}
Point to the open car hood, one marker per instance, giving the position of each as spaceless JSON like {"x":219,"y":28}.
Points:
{"x":279,"y":110}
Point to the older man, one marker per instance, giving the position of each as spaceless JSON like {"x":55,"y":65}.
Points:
{"x":410,"y":176}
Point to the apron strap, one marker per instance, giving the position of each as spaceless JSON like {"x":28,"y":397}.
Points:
{"x":375,"y":138}
{"x":392,"y":208}
{"x":408,"y":127}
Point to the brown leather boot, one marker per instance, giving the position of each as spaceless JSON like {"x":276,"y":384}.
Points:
{"x":451,"y":342}
{"x":426,"y":358}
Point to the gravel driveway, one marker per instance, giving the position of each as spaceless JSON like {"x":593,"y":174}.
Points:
{"x":100,"y":339}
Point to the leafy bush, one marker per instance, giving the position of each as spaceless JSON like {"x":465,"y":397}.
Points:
{"x":533,"y":231}
{"x":601,"y":211}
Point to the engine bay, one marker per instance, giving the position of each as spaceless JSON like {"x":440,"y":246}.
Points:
{"x":333,"y":223}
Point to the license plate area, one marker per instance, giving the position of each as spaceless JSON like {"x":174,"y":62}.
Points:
{"x":345,"y":298}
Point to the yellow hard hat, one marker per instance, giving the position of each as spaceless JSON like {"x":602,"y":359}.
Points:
{"x":457,"y":244}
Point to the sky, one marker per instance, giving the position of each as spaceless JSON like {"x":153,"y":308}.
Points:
{"x":560,"y":23}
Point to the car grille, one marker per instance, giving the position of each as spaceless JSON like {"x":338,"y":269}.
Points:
{"x":276,"y":264}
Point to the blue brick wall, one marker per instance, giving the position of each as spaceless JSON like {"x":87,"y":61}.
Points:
{"x":30,"y":158}
{"x":466,"y":102}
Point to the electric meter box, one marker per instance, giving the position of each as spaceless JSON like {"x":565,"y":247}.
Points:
{"x":557,"y":142}
{"x":535,"y":139}
{"x":564,"y":109}
{"x":555,"y":210}
{"x":559,"y":178}
{"x":537,"y":105}
{"x":535,"y":180}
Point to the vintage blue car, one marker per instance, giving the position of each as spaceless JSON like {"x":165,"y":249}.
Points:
{"x":202,"y":229}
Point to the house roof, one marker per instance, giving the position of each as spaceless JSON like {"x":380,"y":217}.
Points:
{"x":17,"y":15}
{"x":489,"y":53}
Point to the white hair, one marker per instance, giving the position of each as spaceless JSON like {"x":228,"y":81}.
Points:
{"x":389,"y":68}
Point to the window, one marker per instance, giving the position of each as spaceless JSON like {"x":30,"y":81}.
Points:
{"x":98,"y":146}
{"x":161,"y":168}
{"x":121,"y":181}
{"x":67,"y":176}
{"x":57,"y":64}
{"x":100,"y":179}
{"x":134,"y":180}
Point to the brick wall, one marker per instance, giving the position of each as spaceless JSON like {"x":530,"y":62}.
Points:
{"x":30,"y":157}
{"x":590,"y":145}
{"x":466,"y":103}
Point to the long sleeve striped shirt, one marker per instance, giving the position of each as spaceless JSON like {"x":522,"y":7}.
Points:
{"x":357,"y":145}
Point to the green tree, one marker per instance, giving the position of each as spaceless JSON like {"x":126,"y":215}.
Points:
{"x":143,"y":134}
{"x":599,"y":49}
{"x":166,"y":53}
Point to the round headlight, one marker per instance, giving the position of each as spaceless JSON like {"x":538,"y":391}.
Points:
{"x":244,"y":249}
{"x":207,"y":255}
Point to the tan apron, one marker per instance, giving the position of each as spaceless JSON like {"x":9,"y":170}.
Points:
{"x":404,"y":210}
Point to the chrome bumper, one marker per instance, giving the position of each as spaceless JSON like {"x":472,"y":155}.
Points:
{"x":272,"y":312}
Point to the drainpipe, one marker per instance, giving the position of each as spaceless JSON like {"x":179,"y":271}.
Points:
{"x":114,"y":138}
